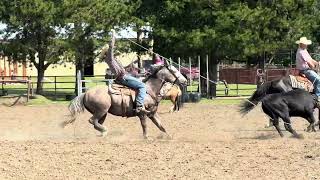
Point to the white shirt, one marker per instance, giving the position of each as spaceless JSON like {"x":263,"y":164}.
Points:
{"x":302,"y":57}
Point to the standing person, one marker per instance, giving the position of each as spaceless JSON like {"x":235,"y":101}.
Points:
{"x":305,"y":64}
{"x":122,"y":76}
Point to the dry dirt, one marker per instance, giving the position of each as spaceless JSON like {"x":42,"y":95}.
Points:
{"x":209,"y":142}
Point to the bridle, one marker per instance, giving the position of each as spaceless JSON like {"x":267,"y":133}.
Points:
{"x":159,"y":96}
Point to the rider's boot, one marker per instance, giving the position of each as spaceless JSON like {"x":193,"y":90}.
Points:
{"x":141,"y":109}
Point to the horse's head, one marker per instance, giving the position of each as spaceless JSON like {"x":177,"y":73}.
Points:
{"x":169,"y":73}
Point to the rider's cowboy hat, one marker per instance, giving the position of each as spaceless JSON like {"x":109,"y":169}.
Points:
{"x":304,"y":40}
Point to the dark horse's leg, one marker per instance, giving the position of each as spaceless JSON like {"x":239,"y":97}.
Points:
{"x":311,"y":119}
{"x":274,"y":119}
{"x":318,"y":123}
{"x":275,"y":122}
{"x":287,"y":125}
{"x":144,"y":125}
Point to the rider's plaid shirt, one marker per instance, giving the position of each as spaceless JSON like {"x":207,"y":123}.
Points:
{"x":114,"y":65}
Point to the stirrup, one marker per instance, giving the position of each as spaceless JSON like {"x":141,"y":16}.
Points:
{"x":141,"y":109}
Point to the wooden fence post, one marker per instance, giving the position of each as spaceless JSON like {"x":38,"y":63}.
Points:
{"x":55,"y":87}
{"x":190,"y":75}
{"x":199,"y":75}
{"x":207,"y":64}
{"x":79,"y":83}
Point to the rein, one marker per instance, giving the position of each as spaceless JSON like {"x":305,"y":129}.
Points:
{"x":156,"y":97}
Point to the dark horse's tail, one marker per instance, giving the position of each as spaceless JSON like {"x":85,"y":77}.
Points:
{"x":256,"y":97}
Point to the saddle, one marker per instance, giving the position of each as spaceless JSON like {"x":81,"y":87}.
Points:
{"x":119,"y":89}
{"x":300,"y":81}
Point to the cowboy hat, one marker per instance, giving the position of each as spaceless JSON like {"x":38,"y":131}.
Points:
{"x":304,"y":40}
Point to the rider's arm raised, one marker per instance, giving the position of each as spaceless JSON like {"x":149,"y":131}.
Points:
{"x":114,"y":65}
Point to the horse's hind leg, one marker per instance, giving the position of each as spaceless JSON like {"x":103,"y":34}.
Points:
{"x":274,"y":119}
{"x":312,"y":121}
{"x":97,"y":121}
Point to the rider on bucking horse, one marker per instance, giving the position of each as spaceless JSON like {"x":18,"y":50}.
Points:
{"x":122,"y":76}
{"x":306,"y":65}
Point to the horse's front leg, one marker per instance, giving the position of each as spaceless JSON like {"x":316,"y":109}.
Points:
{"x":311,"y":120}
{"x":144,"y":126}
{"x":156,"y":120}
{"x":318,"y":123}
{"x":288,"y":127}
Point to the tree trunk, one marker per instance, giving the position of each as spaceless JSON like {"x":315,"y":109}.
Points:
{"x":39,"y":80}
{"x":41,"y":69}
{"x":79,"y":66}
{"x":213,"y":75}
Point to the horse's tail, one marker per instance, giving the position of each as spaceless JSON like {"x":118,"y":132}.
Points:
{"x":76,"y":107}
{"x":256,"y":97}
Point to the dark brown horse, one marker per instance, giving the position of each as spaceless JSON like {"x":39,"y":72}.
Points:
{"x":100,"y":101}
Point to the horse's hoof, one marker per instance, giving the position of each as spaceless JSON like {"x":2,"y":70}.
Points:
{"x":148,"y":138}
{"x":169,"y":137}
{"x":299,"y":136}
{"x":164,"y":136}
{"x":103,"y":134}
{"x":268,"y":126}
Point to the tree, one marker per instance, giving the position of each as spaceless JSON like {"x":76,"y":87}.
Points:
{"x":88,"y":23}
{"x":32,"y":29}
{"x":143,"y":14}
{"x":235,"y":30}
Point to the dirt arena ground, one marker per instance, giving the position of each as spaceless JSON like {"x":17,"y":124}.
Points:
{"x":209,"y":142}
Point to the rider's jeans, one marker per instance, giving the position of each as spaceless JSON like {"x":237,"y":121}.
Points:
{"x":315,"y":79}
{"x":136,"y":84}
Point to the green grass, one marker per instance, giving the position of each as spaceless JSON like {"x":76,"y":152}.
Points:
{"x":234,"y":89}
{"x":69,"y":83}
{"x":41,"y":100}
{"x":218,"y":101}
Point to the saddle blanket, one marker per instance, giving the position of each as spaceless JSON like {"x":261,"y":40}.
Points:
{"x":301,"y":83}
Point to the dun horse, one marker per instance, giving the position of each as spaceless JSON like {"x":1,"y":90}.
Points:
{"x":173,"y":92}
{"x":100,"y":101}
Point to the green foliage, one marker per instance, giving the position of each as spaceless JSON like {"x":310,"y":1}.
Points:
{"x":87,"y":24}
{"x":233,"y":29}
{"x":226,"y":30}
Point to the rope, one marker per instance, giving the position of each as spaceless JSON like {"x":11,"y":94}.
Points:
{"x":167,"y":59}
{"x":250,"y":102}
